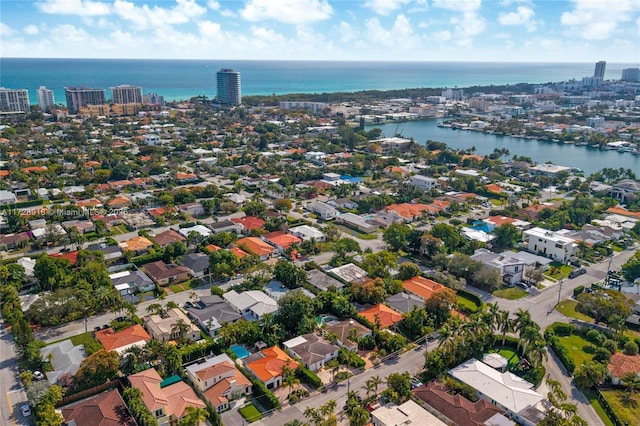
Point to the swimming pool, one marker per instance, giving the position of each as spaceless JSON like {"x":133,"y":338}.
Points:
{"x":480,"y":225}
{"x":324,"y":319}
{"x":240,"y":351}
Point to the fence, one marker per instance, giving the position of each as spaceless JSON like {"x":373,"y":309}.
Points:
{"x":607,"y":409}
{"x":91,"y":391}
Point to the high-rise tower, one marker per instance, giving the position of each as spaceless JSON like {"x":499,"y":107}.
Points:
{"x":14,"y":100}
{"x":229,"y":92}
{"x":78,"y":97}
{"x":45,"y":99}
{"x":600,"y":66}
{"x":126,"y":94}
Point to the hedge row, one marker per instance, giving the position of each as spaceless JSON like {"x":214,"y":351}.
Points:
{"x":266,"y":398}
{"x":309,"y":377}
{"x":350,"y":358}
{"x":21,"y":205}
{"x":471,"y":296}
{"x":147,"y":258}
{"x":563,"y":354}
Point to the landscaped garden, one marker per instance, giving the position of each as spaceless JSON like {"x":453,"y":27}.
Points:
{"x":250,"y":413}
{"x":568,"y":308}
{"x":624,"y":404}
{"x":558,"y":271}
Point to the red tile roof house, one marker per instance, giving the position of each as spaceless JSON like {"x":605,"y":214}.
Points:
{"x":456,"y":407}
{"x":123,"y":339}
{"x":165,"y":274}
{"x":387,"y":316}
{"x":281,"y":240}
{"x":267,"y":365}
{"x":167,"y":237}
{"x":167,"y":404}
{"x":103,"y":409}
{"x":621,"y":364}
{"x":256,"y":246}
{"x":248,"y":223}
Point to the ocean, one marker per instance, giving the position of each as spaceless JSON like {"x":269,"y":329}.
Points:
{"x":183,"y":79}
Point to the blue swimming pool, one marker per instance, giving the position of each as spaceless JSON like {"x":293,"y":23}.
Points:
{"x":240,"y":351}
{"x":480,"y":225}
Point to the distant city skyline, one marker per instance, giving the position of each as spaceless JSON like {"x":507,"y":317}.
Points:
{"x":373,"y":30}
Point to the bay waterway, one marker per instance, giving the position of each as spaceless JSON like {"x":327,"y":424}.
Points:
{"x":590,"y":160}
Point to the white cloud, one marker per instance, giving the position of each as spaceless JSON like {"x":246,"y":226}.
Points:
{"x":213,"y":5}
{"x":384,"y":7}
{"x":6,"y":30}
{"x":287,"y":11}
{"x":31,"y":30}
{"x":442,"y":35}
{"x":400,"y":35}
{"x":523,"y":16}
{"x":69,"y":34}
{"x":467,"y":22}
{"x":145,"y":17}
{"x":458,"y":5}
{"x":347,"y":33}
{"x":74,"y":7}
{"x":598,"y":20}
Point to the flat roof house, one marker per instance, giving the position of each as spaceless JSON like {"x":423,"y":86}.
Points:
{"x":322,"y":281}
{"x":164,"y":327}
{"x":549,"y":243}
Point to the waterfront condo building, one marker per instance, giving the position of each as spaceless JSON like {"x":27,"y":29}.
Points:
{"x":13,"y":100}
{"x":126,"y":94}
{"x":45,"y":99}
{"x":78,"y":97}
{"x":631,"y":74}
{"x":600,"y":67}
{"x":153,"y":99}
{"x":229,"y":92}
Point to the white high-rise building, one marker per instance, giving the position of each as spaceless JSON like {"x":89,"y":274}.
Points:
{"x":600,"y":67}
{"x":45,"y":99}
{"x":14,"y":100}
{"x":126,"y":94}
{"x":229,"y":91}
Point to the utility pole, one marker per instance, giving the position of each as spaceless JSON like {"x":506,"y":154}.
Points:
{"x":559,"y":291}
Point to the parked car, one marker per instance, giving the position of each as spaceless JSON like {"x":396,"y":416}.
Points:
{"x":577,"y":272}
{"x":26,"y":411}
{"x":38,"y":375}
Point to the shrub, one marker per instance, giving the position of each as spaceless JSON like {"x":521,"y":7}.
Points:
{"x":562,"y":329}
{"x":350,"y":358}
{"x":610,"y":345}
{"x":578,"y":290}
{"x":268,"y":400}
{"x":471,"y":296}
{"x":366,"y":343}
{"x":309,"y":377}
{"x":631,"y":348}
{"x":563,"y":354}
{"x":602,"y":355}
{"x":595,"y":337}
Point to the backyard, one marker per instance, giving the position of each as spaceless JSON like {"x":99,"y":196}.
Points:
{"x":574,"y":345}
{"x":624,"y":404}
{"x":558,"y":271}
{"x":250,"y":413}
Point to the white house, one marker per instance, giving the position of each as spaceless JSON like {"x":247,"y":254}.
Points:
{"x":7,"y":197}
{"x":252,"y":304}
{"x":323,"y":210}
{"x":549,"y":243}
{"x":306,"y":233}
{"x":423,"y":182}
{"x":506,"y":390}
{"x":511,"y":269}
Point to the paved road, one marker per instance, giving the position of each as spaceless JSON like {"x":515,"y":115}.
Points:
{"x":11,"y":391}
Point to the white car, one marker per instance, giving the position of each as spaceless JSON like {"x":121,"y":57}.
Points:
{"x":38,"y":375}
{"x":26,"y":410}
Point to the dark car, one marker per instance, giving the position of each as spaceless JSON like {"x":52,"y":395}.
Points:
{"x":577,"y":272}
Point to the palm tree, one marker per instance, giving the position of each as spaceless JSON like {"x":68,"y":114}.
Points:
{"x":289,"y":378}
{"x":155,"y":309}
{"x":179,"y":329}
{"x":375,"y":382}
{"x":537,"y":352}
{"x":617,"y":325}
{"x":632,"y":382}
{"x":505,"y":324}
{"x":491,"y":315}
{"x":444,"y":336}
{"x":313,"y":415}
{"x":296,"y":422}
{"x":368,"y":387}
{"x":194,"y":416}
{"x":328,"y":412}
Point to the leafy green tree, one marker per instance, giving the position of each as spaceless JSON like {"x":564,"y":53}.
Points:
{"x":52,"y":272}
{"x":449,"y":236}
{"x":590,"y":374}
{"x":399,"y":387}
{"x":408,"y":270}
{"x":223,"y":263}
{"x":378,"y":265}
{"x":397,"y":236}
{"x":604,"y":304}
{"x":296,"y":312}
{"x":97,"y":369}
{"x":289,"y":274}
{"x":507,"y":236}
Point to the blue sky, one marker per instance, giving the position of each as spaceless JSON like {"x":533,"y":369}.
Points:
{"x":410,"y":30}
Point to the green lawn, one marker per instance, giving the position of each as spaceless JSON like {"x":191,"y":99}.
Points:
{"x":119,"y":229}
{"x":625,"y":405}
{"x":357,"y":234}
{"x":187,"y":285}
{"x":510,"y":355}
{"x":568,"y":308}
{"x":250,"y":413}
{"x":558,"y":271}
{"x":595,"y":403}
{"x":575,"y":345}
{"x":83,"y":339}
{"x":511,"y":293}
{"x":467,"y":303}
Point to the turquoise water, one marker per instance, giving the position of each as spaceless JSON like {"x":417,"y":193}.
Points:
{"x":590,"y":160}
{"x":480,"y":225}
{"x":175,"y":79}
{"x":240,"y":351}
